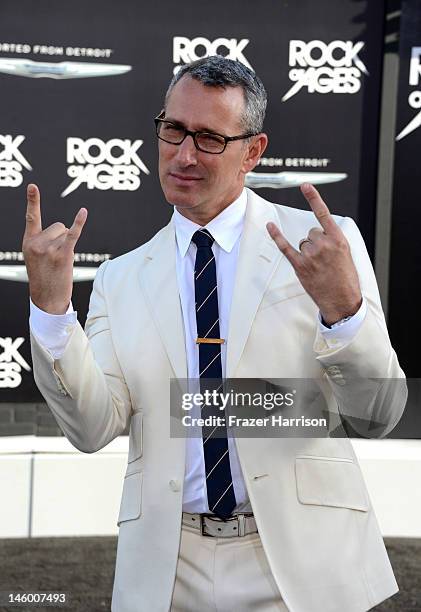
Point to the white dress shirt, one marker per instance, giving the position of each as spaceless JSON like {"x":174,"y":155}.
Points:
{"x":53,"y":331}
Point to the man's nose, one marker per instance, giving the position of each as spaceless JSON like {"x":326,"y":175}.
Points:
{"x":187,"y":152}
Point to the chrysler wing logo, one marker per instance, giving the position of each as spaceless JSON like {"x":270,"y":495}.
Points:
{"x":18,"y":273}
{"x":282,"y":180}
{"x":61,"y":70}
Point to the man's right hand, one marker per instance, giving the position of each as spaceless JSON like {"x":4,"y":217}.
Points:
{"x":49,"y":256}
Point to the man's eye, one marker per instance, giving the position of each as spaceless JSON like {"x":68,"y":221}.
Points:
{"x":210,"y":142}
{"x":172,"y":129}
{"x":211,"y":137}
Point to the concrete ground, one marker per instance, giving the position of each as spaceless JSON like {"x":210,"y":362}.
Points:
{"x":84,"y":567}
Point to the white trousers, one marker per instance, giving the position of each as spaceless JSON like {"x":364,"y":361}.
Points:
{"x":224,"y":575}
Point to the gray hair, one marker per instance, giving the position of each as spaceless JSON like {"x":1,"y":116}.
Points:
{"x":218,"y":71}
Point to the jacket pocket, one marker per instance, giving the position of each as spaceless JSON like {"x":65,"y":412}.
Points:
{"x":330,"y":481}
{"x":131,"y":500}
{"x":135,"y":438}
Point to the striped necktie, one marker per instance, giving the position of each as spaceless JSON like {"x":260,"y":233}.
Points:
{"x":220,"y":489}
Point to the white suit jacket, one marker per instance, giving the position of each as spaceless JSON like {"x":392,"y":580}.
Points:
{"x":310,"y":502}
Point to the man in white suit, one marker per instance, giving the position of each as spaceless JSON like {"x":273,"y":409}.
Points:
{"x":292,"y":527}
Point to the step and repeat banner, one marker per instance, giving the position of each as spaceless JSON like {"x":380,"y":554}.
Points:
{"x":405,"y":260}
{"x":81,"y":82}
{"x":405,"y":267}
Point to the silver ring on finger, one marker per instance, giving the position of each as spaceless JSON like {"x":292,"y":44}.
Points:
{"x":302,"y":242}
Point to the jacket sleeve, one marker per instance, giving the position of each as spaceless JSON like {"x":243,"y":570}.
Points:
{"x":364,"y":374}
{"x":85,"y":388}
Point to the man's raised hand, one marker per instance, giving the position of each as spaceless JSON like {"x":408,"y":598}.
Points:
{"x":323,"y":263}
{"x":49,"y":256}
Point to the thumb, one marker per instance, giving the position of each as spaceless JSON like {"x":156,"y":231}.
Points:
{"x":283,"y":245}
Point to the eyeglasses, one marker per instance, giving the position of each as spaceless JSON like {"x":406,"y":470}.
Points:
{"x":208,"y":142}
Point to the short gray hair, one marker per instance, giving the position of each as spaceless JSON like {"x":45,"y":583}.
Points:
{"x":218,"y":71}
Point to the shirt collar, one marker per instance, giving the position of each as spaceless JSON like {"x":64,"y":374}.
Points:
{"x":226,"y":227}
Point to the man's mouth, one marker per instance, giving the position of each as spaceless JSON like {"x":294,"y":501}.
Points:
{"x":185,"y":179}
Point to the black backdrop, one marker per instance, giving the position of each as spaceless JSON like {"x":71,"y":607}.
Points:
{"x":405,"y":269}
{"x":330,"y":125}
{"x":405,"y":261}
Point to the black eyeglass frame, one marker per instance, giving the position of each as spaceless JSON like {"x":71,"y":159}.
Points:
{"x":160,"y":119}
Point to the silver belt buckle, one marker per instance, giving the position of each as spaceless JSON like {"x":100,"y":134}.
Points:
{"x":240,"y":521}
{"x":202,"y":526}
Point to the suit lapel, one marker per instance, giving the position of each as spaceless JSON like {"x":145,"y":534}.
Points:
{"x":257,"y":261}
{"x":158,"y":281}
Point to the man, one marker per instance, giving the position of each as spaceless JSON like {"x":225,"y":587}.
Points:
{"x":233,"y":286}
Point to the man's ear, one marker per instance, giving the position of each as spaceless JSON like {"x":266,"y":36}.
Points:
{"x":255,"y":149}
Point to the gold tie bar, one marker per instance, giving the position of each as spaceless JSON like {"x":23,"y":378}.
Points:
{"x":210,"y":341}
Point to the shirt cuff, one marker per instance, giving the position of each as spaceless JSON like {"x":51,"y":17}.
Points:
{"x":52,"y":331}
{"x":341,"y":333}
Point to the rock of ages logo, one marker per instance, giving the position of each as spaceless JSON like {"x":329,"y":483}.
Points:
{"x":12,"y":161}
{"x":186,"y":50}
{"x":11,"y":363}
{"x":414,"y":98}
{"x":114,"y":164}
{"x":325,"y":68}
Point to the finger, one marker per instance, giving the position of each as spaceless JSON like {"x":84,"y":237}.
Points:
{"x":54,"y":231}
{"x":293,"y":256}
{"x":316,"y":233}
{"x":75,"y":231}
{"x":305,"y":244}
{"x":319,"y":208}
{"x":33,"y":211}
{"x":60,"y":241}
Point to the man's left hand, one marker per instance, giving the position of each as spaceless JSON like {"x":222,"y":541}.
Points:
{"x":323,"y":264}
